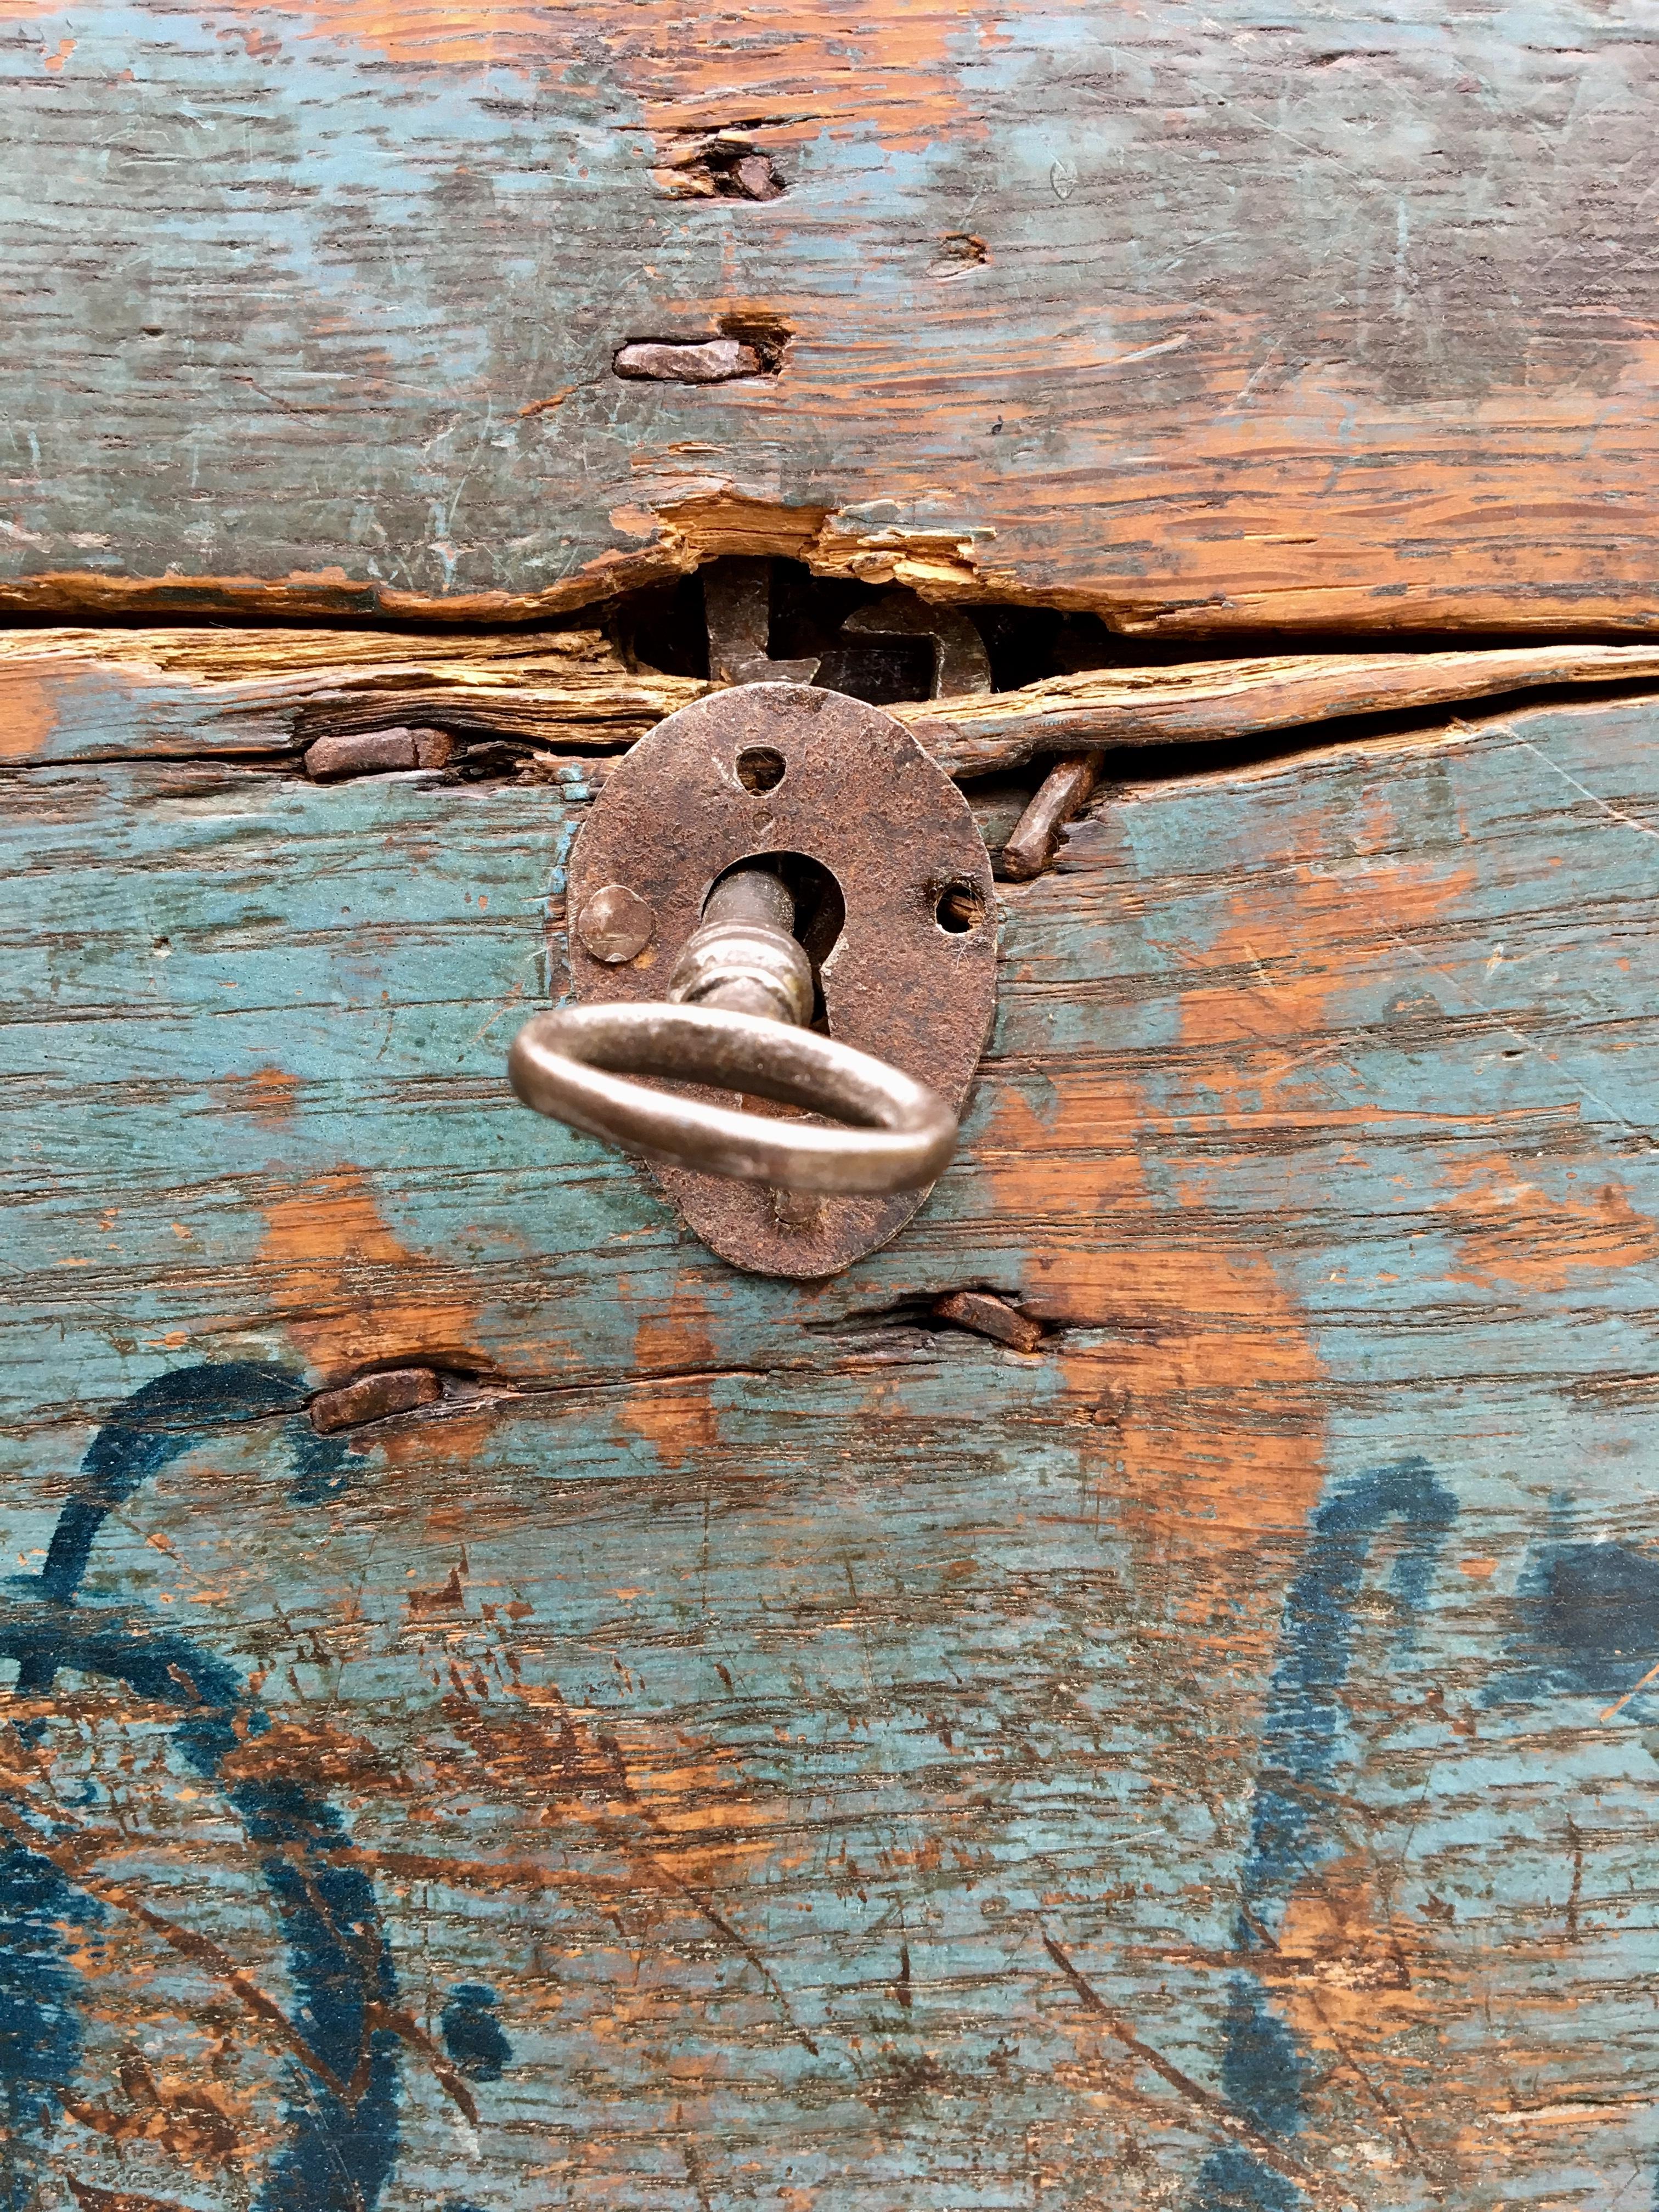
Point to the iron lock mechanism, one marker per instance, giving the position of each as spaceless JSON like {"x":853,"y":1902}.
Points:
{"x":740,"y":986}
{"x":778,"y":895}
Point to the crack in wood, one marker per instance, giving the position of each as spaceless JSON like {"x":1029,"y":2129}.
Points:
{"x":261,"y":695}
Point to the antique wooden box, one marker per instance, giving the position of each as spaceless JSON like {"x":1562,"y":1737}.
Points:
{"x":698,"y":1739}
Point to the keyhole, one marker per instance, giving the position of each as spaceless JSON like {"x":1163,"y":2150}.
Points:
{"x":820,"y":912}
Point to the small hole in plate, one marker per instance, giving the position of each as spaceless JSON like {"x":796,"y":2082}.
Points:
{"x":760,"y":768}
{"x":960,"y":909}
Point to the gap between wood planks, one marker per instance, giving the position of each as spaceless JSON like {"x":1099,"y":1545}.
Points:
{"x":514,"y":704}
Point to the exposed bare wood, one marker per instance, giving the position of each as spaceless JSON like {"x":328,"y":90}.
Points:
{"x":1208,"y":699}
{"x":272,"y":688}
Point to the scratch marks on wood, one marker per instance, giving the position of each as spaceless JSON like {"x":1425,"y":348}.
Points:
{"x":72,"y":1859}
{"x":1459,"y":434}
{"x":642,"y":1714}
{"x":1520,"y":1231}
{"x":1576,"y":1843}
{"x":1214,"y":2109}
{"x":1614,"y":813}
{"x":1611,"y":1713}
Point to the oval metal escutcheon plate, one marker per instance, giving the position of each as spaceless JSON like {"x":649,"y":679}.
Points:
{"x":889,"y":857}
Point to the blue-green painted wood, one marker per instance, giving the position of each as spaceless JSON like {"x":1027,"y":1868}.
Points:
{"x":753,"y":1748}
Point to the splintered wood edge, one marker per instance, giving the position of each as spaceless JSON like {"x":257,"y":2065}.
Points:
{"x":954,"y":566}
{"x":1196,"y":701}
{"x":574,"y":688}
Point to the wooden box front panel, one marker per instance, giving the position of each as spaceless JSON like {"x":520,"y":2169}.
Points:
{"x":750,"y":1746}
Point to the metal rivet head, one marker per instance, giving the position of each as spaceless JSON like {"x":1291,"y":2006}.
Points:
{"x":615,"y":924}
{"x":800,"y":1210}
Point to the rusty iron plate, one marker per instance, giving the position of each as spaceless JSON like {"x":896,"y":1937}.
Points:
{"x":781,"y":769}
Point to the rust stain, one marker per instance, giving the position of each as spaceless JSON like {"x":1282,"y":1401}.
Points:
{"x":1510,"y":1230}
{"x":27,"y":716}
{"x":350,"y":1293}
{"x":269,"y":1096}
{"x":447,"y":1599}
{"x":91,"y":2199}
{"x":205,"y":2126}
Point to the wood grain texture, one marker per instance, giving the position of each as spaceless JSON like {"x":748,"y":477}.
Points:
{"x":94,"y":694}
{"x":746,"y":1746}
{"x":1201,"y":321}
{"x":76,"y":694}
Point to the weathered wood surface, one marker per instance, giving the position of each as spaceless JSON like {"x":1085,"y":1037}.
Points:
{"x":1204,"y":320}
{"x":108,"y":693}
{"x":752,"y":1745}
